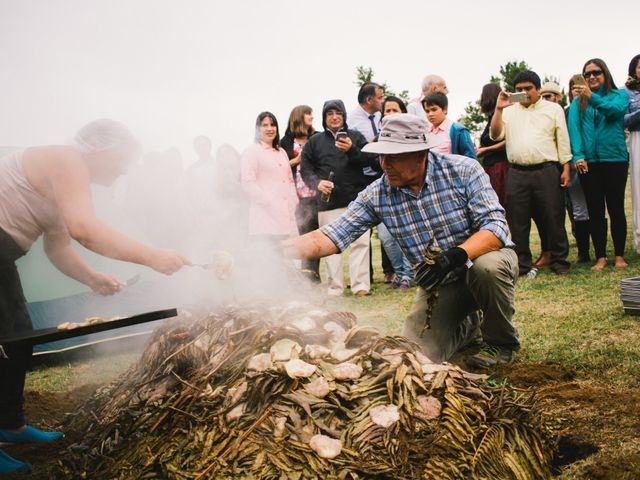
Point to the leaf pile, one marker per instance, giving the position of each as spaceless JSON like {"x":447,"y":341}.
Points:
{"x":209,"y":399}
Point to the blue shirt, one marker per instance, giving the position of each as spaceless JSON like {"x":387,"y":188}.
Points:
{"x":455,"y":202}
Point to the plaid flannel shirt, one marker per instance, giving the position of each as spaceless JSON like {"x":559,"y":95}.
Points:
{"x":455,"y":202}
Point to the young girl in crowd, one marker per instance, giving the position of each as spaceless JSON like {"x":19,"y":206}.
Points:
{"x":299,"y":130}
{"x":600,"y":155}
{"x":493,"y":154}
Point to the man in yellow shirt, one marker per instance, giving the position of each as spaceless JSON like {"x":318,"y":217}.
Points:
{"x":539,"y":152}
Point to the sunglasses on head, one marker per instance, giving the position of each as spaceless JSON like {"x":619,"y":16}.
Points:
{"x":593,"y":73}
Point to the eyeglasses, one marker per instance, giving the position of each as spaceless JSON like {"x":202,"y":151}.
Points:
{"x":593,"y":73}
{"x":548,"y":96}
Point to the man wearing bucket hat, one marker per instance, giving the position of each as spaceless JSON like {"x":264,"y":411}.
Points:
{"x":425,"y":197}
{"x":551,"y":92}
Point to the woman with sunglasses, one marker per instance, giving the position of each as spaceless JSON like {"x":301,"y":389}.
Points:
{"x":632,"y":122}
{"x":596,"y":130}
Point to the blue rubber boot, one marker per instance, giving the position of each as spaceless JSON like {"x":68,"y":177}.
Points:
{"x":11,"y":465}
{"x":29,"y":435}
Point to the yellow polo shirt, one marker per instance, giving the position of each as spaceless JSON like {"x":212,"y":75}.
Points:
{"x":535,"y":134}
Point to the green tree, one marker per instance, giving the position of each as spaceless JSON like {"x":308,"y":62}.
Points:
{"x":472,"y":118}
{"x":508,"y":73}
{"x":365,"y":75}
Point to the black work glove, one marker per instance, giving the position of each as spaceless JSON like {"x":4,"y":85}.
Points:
{"x":429,"y":276}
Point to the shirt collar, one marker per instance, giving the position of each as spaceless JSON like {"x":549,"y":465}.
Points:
{"x":444,"y":126}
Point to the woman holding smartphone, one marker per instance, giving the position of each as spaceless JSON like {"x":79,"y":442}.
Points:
{"x":596,"y":130}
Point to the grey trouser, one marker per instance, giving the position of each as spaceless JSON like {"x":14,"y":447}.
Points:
{"x":489,"y":286}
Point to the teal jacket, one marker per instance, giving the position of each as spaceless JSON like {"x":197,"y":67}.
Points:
{"x":461,"y":143}
{"x":597,"y":135}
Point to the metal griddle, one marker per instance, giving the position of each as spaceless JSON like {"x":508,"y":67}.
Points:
{"x":46,"y":335}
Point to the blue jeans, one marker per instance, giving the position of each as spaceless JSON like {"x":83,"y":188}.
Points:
{"x":401,"y":265}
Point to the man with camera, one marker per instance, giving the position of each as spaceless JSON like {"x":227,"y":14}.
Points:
{"x":332,"y":162}
{"x":426,"y":198}
{"x":539,"y":152}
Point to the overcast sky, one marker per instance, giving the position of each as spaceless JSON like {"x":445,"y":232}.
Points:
{"x":173,"y":69}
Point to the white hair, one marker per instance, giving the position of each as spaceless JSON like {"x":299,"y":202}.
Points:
{"x":104,"y":134}
{"x":430,"y":80}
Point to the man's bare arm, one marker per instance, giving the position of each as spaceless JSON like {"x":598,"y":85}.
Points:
{"x":59,"y":250}
{"x":309,"y":246}
{"x":495,"y":129}
{"x":480,"y":243}
{"x":69,"y":182}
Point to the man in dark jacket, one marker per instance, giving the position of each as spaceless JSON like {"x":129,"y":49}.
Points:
{"x":338,"y":150}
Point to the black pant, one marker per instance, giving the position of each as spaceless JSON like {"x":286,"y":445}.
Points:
{"x":605,"y":182}
{"x":307,"y":220}
{"x":13,"y":318}
{"x":537,"y":190}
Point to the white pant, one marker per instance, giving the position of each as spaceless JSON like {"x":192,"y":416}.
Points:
{"x":634,"y":174}
{"x":358,"y":260}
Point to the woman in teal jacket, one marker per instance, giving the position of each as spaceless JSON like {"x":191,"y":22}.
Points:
{"x":596,"y":129}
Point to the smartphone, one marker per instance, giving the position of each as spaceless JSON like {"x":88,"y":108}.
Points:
{"x":341,"y":136}
{"x":518,"y":97}
{"x":578,"y":79}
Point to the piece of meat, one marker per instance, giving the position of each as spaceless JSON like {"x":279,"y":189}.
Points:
{"x":260,"y":362}
{"x":279,"y":426}
{"x":284,"y":349}
{"x":297,"y":368}
{"x":68,"y":326}
{"x":316,"y":352}
{"x":341,"y":353}
{"x":235,"y":413}
{"x":318,"y":387}
{"x":222,"y":264}
{"x":325,"y":447}
{"x":430,"y":406}
{"x":347,"y":371}
{"x":304,"y":324}
{"x":235,"y":393}
{"x":337,"y":332}
{"x":384,"y":415}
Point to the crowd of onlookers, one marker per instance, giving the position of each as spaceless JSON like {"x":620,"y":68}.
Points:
{"x":543,"y":163}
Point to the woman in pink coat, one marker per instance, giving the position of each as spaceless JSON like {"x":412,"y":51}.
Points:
{"x":267,"y":180}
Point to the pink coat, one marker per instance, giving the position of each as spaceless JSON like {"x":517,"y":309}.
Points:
{"x":267,"y":180}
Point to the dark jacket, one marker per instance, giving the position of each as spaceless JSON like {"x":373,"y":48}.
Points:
{"x":461,"y":143}
{"x":494,"y":156}
{"x":286,"y":143}
{"x":321,"y":156}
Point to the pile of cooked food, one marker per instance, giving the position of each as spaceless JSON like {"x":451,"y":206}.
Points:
{"x":293,"y":392}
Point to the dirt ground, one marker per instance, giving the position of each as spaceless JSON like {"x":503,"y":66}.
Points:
{"x":598,"y":427}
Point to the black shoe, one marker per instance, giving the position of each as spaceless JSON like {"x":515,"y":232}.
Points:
{"x":490,"y":356}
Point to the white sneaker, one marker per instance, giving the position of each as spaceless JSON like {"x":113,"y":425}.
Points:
{"x":531,"y":274}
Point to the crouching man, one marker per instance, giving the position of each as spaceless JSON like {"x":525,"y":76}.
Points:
{"x":425,"y":196}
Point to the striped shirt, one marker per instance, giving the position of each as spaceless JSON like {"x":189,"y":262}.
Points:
{"x":455,"y":202}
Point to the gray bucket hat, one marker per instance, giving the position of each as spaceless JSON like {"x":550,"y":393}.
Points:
{"x":402,"y":133}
